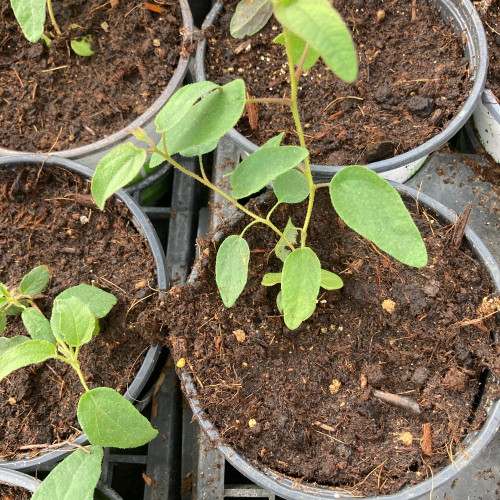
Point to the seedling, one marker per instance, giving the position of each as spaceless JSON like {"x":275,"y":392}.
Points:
{"x":30,"y":15}
{"x":198,"y":115}
{"x":105,"y":416}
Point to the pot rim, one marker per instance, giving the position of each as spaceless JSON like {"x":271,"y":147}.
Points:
{"x":144,"y":226}
{"x":462,"y":12}
{"x":490,"y":102}
{"x":289,"y":488}
{"x":112,"y":140}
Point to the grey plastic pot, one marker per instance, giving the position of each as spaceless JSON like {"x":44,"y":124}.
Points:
{"x":29,"y":483}
{"x":90,"y":154}
{"x":463,"y":18}
{"x":289,"y":488}
{"x":487,"y":122}
{"x":144,"y":226}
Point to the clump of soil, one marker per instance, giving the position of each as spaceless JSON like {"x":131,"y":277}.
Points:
{"x":491,"y":22}
{"x":48,"y":217}
{"x":413,"y":78}
{"x":52,"y":99}
{"x":13,"y":493}
{"x":302,"y":402}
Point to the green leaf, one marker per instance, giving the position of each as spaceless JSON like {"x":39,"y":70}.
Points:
{"x":75,"y":478}
{"x":274,"y":141}
{"x":3,"y":323}
{"x":297,"y":46}
{"x":30,"y":15}
{"x":72,"y":321}
{"x":231,"y":268}
{"x":109,"y":419}
{"x":330,"y":281}
{"x":279,"y":302}
{"x":249,"y":17}
{"x":37,"y":325}
{"x":270,"y":279}
{"x":83,"y":47}
{"x":282,"y":250}
{"x":97,"y":328}
{"x":300,"y":285}
{"x":98,"y":301}
{"x":209,"y":119}
{"x":257,"y":170}
{"x":26,"y":353}
{"x":12,"y":310}
{"x":321,"y":25}
{"x":179,"y":105}
{"x":8,"y":343}
{"x":373,"y":208}
{"x":115,"y":170}
{"x":35,"y":281}
{"x":200,"y":150}
{"x":291,"y":187}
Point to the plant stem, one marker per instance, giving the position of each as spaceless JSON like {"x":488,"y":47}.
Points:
{"x":208,"y":184}
{"x":298,"y":71}
{"x":52,"y":18}
{"x":300,"y":133}
{"x":248,"y":227}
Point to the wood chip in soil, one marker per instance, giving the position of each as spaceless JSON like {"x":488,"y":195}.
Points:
{"x":302,"y":401}
{"x":51,"y":99}
{"x":49,"y":218}
{"x":413,"y":79}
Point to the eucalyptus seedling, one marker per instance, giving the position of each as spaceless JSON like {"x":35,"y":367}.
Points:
{"x":105,"y":416}
{"x":198,"y":115}
{"x":30,"y":15}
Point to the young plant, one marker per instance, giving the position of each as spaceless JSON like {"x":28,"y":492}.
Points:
{"x":30,"y":15}
{"x":105,"y":416}
{"x":198,"y":115}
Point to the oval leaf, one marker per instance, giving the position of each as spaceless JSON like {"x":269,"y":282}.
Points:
{"x":37,"y":325}
{"x":291,"y":233}
{"x":209,"y":119}
{"x":330,"y":281}
{"x":115,"y":170}
{"x":30,"y":15}
{"x":257,"y":170}
{"x":180,"y":103}
{"x":72,"y":321}
{"x":321,"y":25}
{"x":249,"y":17}
{"x":279,"y":301}
{"x":373,"y":208}
{"x":75,"y":478}
{"x":270,"y":279}
{"x":98,"y":301}
{"x":274,"y":141}
{"x":297,"y":47}
{"x":202,"y":149}
{"x":83,"y":47}
{"x":231,"y":268}
{"x":8,"y":343}
{"x":300,"y":286}
{"x":26,"y":353}
{"x":291,"y":187}
{"x":109,"y":419}
{"x":35,"y":281}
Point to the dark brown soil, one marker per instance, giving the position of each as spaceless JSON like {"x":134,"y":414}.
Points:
{"x":52,"y":99}
{"x":309,"y":391}
{"x":413,"y":79}
{"x":12,"y":493}
{"x":52,"y":220}
{"x":491,"y":22}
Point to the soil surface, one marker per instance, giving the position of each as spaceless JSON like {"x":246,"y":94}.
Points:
{"x":491,"y":23}
{"x":49,"y":218}
{"x":52,"y":99}
{"x":13,"y":493}
{"x":413,"y":79}
{"x":302,"y":401}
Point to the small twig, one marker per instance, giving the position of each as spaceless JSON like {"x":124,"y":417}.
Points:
{"x":325,"y":427}
{"x":460,"y":225}
{"x":399,"y":401}
{"x":53,"y":69}
{"x":53,"y":446}
{"x":413,"y":10}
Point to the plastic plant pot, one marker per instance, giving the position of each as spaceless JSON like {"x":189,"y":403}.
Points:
{"x":21,"y":480}
{"x":145,"y":228}
{"x":464,"y":20}
{"x":90,"y":154}
{"x":288,"y":488}
{"x":487,"y":122}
